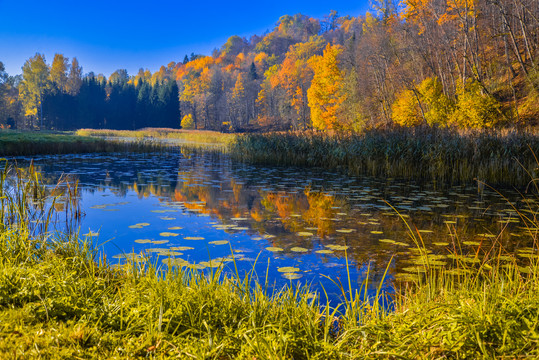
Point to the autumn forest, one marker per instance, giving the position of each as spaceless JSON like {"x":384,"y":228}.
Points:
{"x":443,"y":63}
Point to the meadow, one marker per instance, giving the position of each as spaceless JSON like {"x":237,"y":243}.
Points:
{"x":59,"y":298}
{"x":24,"y":143}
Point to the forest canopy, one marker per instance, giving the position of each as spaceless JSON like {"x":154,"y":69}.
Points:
{"x":445,"y":63}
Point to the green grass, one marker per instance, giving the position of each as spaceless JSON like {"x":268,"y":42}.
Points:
{"x":60,"y":299}
{"x":187,"y":137}
{"x":17,"y":143}
{"x":425,"y":154}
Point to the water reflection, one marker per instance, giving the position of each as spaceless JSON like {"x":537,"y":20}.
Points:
{"x":200,"y":210}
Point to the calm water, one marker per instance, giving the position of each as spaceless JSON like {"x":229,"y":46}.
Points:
{"x":291,"y":225}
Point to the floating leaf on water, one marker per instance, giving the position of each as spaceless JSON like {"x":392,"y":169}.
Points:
{"x":440,"y":243}
{"x":143,"y":241}
{"x":175,"y":261}
{"x":168,"y":234}
{"x":337,"y":247}
{"x":212,"y":263}
{"x":345,"y":231}
{"x":175,"y":228}
{"x":266,"y":236}
{"x":325,"y":251}
{"x":458,"y":272}
{"x":257,"y":238}
{"x":487,"y":235}
{"x":377,"y":232}
{"x":528,"y":255}
{"x":219,"y":242}
{"x":157,"y":250}
{"x":304,"y":233}
{"x":528,"y":250}
{"x":398,"y":243}
{"x":470,"y":259}
{"x":389,"y":241}
{"x":292,"y":276}
{"x":159,"y":211}
{"x":239,"y":219}
{"x":299,"y":249}
{"x":288,"y":269}
{"x":135,"y":227}
{"x":170,"y":253}
{"x":240,"y":228}
{"x":159,"y":242}
{"x":182,"y":248}
{"x":193,"y":238}
{"x":311,"y":228}
{"x":167,"y":218}
{"x":98,"y":207}
{"x":143,"y":224}
{"x":472,"y":243}
{"x":274,"y":249}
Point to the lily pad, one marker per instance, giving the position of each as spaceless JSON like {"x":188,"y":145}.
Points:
{"x":288,"y":269}
{"x":325,"y":251}
{"x":182,"y":248}
{"x":337,"y":247}
{"x":159,"y":242}
{"x":193,"y":238}
{"x":219,"y":242}
{"x":292,"y":276}
{"x":298,"y":249}
{"x":175,"y":228}
{"x":168,"y":234}
{"x":304,"y":233}
{"x":274,"y":249}
{"x":143,"y":241}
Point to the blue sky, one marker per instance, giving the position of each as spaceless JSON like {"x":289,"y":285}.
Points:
{"x":108,"y":35}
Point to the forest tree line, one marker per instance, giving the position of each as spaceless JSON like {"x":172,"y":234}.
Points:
{"x":459,"y":63}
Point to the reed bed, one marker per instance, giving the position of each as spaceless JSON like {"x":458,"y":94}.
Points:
{"x":15,"y":143}
{"x":446,"y":156}
{"x":59,"y":298}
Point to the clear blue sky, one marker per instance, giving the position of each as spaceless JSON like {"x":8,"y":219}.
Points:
{"x":114,"y":34}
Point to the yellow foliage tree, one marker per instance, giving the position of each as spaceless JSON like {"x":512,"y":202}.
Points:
{"x":326,"y":94}
{"x":405,"y":110}
{"x":187,"y":122}
{"x":425,"y":103}
{"x":475,"y":108}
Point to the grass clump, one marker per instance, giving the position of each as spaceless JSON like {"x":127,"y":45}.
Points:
{"x":60,"y":299}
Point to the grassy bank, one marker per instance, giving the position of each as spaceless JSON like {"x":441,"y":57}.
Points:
{"x":15,"y":143}
{"x":185,"y":137}
{"x":60,"y":299}
{"x":424,"y":154}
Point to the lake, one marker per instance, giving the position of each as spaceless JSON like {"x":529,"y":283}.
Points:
{"x":289,"y":225}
